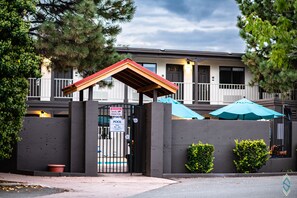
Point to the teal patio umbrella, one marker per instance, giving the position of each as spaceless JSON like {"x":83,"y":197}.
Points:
{"x":180,"y":110}
{"x":245,"y":109}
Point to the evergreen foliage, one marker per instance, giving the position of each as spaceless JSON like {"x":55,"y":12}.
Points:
{"x":18,"y":62}
{"x":200,"y":158}
{"x":81,"y":33}
{"x":269,"y":28}
{"x":251,"y":155}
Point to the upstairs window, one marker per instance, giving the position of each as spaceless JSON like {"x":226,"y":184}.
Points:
{"x":233,"y":76}
{"x":150,"y":66}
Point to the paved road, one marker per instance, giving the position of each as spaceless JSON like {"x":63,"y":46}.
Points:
{"x":243,"y":187}
{"x":137,"y":186}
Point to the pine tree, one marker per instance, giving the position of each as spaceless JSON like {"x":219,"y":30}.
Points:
{"x":81,"y":34}
{"x":269,"y":28}
{"x":18,"y":62}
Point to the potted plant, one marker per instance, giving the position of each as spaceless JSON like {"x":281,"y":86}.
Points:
{"x":56,"y":168}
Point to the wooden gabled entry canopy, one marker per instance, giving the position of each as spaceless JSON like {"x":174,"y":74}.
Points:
{"x":131,"y":74}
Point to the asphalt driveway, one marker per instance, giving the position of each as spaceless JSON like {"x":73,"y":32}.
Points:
{"x":243,"y":187}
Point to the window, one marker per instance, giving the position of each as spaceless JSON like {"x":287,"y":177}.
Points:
{"x":150,"y":66}
{"x":232,"y":75}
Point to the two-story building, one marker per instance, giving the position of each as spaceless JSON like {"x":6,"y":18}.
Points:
{"x":205,"y":79}
{"x":202,"y":77}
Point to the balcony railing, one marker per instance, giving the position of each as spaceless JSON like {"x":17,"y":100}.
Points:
{"x":59,"y":84}
{"x":40,"y":88}
{"x":187,"y":93}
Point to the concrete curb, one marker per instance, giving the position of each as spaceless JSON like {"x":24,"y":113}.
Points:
{"x":195,"y":175}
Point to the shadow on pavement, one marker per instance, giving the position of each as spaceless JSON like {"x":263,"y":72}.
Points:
{"x":17,"y":189}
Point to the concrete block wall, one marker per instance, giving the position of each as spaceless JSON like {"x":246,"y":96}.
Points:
{"x":71,"y":141}
{"x":220,"y":133}
{"x":44,"y":141}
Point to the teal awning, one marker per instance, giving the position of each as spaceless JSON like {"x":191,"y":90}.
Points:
{"x":181,"y":110}
{"x":245,"y":109}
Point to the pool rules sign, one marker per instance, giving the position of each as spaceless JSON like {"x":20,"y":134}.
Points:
{"x":117,"y":123}
{"x":116,"y":111}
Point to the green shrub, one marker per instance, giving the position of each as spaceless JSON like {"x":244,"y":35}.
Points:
{"x":251,"y":155}
{"x":200,"y":158}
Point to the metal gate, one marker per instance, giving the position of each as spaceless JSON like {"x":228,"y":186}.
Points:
{"x":115,"y":141}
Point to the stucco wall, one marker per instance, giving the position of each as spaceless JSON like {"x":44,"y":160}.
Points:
{"x":220,"y":133}
{"x":44,"y":141}
{"x":71,"y":141}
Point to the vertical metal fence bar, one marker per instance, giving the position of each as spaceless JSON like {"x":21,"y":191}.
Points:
{"x":114,"y":161}
{"x":112,"y":146}
{"x":98,"y":149}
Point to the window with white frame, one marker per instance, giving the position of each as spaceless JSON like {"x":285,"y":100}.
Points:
{"x":150,"y":66}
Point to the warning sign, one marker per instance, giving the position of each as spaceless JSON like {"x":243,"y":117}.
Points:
{"x":117,"y":125}
{"x":116,"y":111}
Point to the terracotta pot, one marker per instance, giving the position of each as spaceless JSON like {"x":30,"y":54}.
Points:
{"x":56,"y":168}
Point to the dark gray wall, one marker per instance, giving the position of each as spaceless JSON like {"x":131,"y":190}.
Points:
{"x":84,"y":137}
{"x":220,"y":133}
{"x":70,"y":141}
{"x":77,"y":142}
{"x":91,"y":137}
{"x":158,"y":122}
{"x":44,"y":141}
{"x":167,"y":139}
{"x":73,"y":141}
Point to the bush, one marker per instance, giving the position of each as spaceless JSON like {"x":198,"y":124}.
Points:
{"x":251,"y":155}
{"x":200,"y":158}
{"x":18,"y":62}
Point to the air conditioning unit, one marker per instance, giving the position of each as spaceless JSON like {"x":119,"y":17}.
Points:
{"x":100,"y":95}
{"x":231,"y":98}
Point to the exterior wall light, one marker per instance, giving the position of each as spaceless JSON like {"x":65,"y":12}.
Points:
{"x":43,"y":114}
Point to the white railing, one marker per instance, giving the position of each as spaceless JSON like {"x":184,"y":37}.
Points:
{"x":40,"y":88}
{"x":59,"y":84}
{"x":206,"y":92}
{"x":179,"y":95}
{"x":34,"y":87}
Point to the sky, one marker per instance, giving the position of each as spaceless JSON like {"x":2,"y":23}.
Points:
{"x":202,"y":25}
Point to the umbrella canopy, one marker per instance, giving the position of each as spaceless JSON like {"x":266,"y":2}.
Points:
{"x":181,"y":110}
{"x":245,"y":109}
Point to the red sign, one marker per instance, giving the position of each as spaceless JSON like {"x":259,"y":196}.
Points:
{"x":116,"y":111}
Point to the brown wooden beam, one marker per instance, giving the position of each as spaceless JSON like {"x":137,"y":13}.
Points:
{"x":148,"y":88}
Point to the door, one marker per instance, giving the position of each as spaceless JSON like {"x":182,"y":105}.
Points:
{"x":174,"y":73}
{"x":203,"y":87}
{"x":62,"y":79}
{"x":116,"y":139}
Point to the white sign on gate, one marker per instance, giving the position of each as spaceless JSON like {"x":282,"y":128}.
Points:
{"x":116,"y":111}
{"x":117,"y":124}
